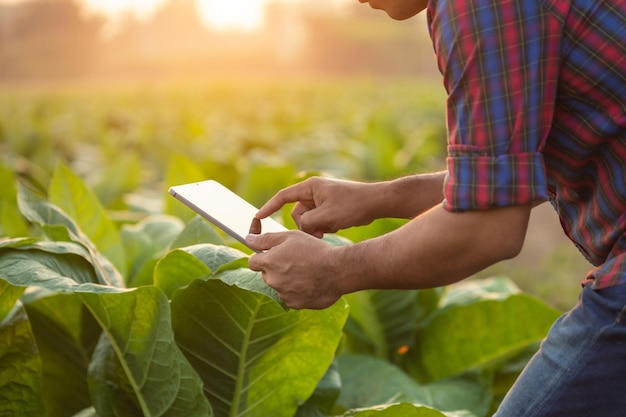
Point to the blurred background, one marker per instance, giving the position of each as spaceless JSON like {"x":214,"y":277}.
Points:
{"x":56,"y":39}
{"x":133,"y":95}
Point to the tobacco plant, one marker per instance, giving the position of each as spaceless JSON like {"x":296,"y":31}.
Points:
{"x":161,"y":317}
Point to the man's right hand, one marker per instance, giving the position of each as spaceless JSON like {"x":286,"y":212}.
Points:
{"x":325,"y":205}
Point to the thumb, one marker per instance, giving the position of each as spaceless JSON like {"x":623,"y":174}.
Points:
{"x":265,"y":241}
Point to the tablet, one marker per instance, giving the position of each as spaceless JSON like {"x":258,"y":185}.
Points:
{"x":223,"y":208}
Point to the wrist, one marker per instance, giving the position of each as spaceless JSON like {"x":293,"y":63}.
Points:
{"x":351,"y":268}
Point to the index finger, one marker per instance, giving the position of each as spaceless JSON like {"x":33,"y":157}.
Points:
{"x":291,"y":194}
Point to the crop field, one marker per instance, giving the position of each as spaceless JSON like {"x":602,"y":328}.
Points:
{"x":115,"y":300}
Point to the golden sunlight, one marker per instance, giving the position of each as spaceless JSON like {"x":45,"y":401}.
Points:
{"x":218,"y":14}
{"x":232,"y":14}
{"x":141,"y":8}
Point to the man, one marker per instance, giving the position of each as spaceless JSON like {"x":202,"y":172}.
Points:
{"x":536,"y":110}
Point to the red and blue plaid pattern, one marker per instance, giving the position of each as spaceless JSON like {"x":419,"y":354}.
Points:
{"x":537,"y":110}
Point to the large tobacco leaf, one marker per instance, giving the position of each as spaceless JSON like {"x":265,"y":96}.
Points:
{"x":196,"y":231}
{"x":68,"y":192}
{"x":144,"y":243}
{"x":479,"y":324}
{"x":383,"y":321}
{"x":138,"y":340}
{"x":323,"y":400}
{"x":20,"y":367}
{"x":59,"y":227}
{"x":137,"y":368}
{"x":179,"y":267}
{"x":368,"y":381}
{"x":147,"y":241}
{"x":255,"y":358}
{"x":65,"y":333}
{"x":57,"y":266}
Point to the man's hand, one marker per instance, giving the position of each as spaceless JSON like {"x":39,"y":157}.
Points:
{"x":326,"y":205}
{"x":298,"y":266}
{"x":434,"y":249}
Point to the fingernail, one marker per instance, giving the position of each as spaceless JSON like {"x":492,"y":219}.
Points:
{"x":251,"y":238}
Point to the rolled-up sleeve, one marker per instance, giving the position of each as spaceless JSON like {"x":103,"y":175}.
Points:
{"x":477,"y":182}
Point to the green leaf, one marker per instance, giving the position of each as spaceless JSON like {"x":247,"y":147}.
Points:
{"x":248,"y":280}
{"x":220,"y":169}
{"x":181,"y":170}
{"x":364,"y":330}
{"x":178,"y":269}
{"x":470,"y":291}
{"x":12,"y":223}
{"x":87,"y":412}
{"x":403,"y":410}
{"x":20,"y":367}
{"x":145,"y":242}
{"x":39,"y":211}
{"x":376,"y":228}
{"x":57,"y":266}
{"x":59,"y":227}
{"x":68,"y":192}
{"x":215,"y":256}
{"x":469,"y":335}
{"x":255,"y":358}
{"x":382,"y":139}
{"x":137,"y":324}
{"x":137,"y":363}
{"x":9,"y":295}
{"x":17,"y":242}
{"x":361,"y":377}
{"x":195,"y":232}
{"x":118,"y":179}
{"x":262,"y":181}
{"x":323,"y":399}
{"x":110,"y":388}
{"x":383,"y":321}
{"x":65,"y":334}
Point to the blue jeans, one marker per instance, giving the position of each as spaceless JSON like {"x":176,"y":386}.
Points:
{"x":580,"y":369}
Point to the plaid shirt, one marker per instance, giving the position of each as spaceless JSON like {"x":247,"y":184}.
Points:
{"x":537,"y":110}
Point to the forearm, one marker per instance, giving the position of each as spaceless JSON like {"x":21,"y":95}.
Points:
{"x":409,"y":196}
{"x":435,"y":249}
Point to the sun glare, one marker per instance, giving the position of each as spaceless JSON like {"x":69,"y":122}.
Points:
{"x":218,"y":14}
{"x":232,"y":14}
{"x":140,"y":8}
